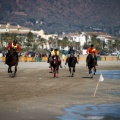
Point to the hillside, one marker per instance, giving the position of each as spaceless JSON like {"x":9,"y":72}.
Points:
{"x":61,"y":15}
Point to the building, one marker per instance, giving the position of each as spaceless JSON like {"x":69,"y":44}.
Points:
{"x":13,"y":29}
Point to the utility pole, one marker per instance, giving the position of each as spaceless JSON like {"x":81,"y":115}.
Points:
{"x":56,"y":42}
{"x":56,"y":38}
{"x":0,"y":42}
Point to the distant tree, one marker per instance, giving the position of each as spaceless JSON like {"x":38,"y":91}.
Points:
{"x":63,"y":43}
{"x":96,"y":42}
{"x":29,"y":40}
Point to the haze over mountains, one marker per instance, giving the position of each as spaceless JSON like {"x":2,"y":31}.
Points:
{"x":62,"y":15}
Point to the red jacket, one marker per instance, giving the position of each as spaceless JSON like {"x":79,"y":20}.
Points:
{"x":13,"y":46}
{"x":92,"y":50}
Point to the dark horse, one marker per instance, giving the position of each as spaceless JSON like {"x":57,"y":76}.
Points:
{"x":72,"y":60}
{"x":55,"y":63}
{"x":91,"y":62}
{"x":12,"y":61}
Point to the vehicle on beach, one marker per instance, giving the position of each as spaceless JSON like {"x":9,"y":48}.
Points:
{"x":115,"y":53}
{"x":103,"y":53}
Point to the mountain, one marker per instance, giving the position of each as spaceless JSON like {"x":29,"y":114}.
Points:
{"x":62,"y":15}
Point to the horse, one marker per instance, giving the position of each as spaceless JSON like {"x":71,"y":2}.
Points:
{"x":55,"y":63}
{"x":12,"y":61}
{"x":72,"y":60}
{"x":91,"y":63}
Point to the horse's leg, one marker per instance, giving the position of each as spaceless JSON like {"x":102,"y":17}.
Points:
{"x":10,"y":69}
{"x":51,"y":69}
{"x":94,"y":70}
{"x":15,"y":70}
{"x":57,"y":71}
{"x":73,"y":69}
{"x":70,"y":69}
{"x":72,"y":72}
{"x":54,"y":72}
{"x":90,"y":70}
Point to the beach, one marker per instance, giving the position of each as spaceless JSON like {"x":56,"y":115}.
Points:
{"x":33,"y":94}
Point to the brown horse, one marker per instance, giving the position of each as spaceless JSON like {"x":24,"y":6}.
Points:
{"x":91,"y":62}
{"x":12,"y":61}
{"x":55,"y":66}
{"x":72,"y":60}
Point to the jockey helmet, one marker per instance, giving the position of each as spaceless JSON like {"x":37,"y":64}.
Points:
{"x":92,"y":45}
{"x":14,"y":41}
{"x":51,"y":49}
{"x":56,"y":49}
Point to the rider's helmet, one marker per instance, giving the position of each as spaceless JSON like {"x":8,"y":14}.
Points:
{"x":56,"y":49}
{"x":51,"y":49}
{"x":92,"y":45}
{"x":15,"y":41}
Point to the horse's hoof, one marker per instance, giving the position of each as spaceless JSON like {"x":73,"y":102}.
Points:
{"x":90,"y":72}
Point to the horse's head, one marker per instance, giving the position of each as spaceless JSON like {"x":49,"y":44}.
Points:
{"x":91,"y":60}
{"x":12,"y":51}
{"x":91,"y":56}
{"x":55,"y":59}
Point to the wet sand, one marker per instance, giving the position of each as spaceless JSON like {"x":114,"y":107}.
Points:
{"x":33,"y":94}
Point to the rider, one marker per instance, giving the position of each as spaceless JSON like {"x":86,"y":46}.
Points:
{"x":71,"y":50}
{"x":56,"y":53}
{"x":15,"y":46}
{"x":91,"y":50}
{"x":50,"y":56}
